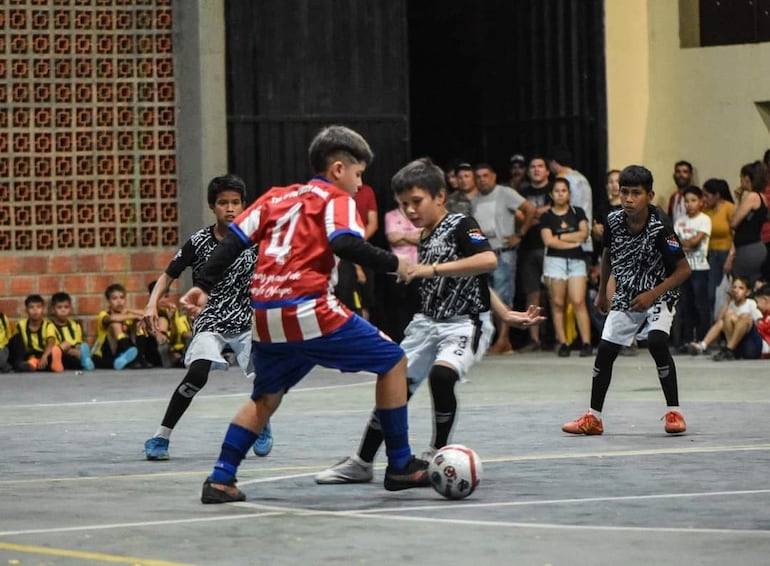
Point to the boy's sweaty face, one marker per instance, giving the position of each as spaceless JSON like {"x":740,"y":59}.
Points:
{"x":35,"y":311}
{"x":117,"y":301}
{"x":62,"y":310}
{"x":635,"y":200}
{"x":422,"y":209}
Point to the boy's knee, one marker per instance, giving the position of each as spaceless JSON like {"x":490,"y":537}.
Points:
{"x":657,"y":340}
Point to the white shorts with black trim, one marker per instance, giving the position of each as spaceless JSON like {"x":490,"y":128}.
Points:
{"x":459,"y":342}
{"x":209,"y":346}
{"x":621,"y":327}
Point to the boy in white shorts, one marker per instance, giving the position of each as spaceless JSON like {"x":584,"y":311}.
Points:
{"x":454,"y":329}
{"x":226,"y":321}
{"x":645,"y":257}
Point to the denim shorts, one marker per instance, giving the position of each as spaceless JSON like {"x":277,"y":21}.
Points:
{"x":563,"y":268}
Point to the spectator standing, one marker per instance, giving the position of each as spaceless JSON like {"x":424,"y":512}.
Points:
{"x":531,"y":249}
{"x":403,"y":237}
{"x":719,"y":207}
{"x":495,"y":210}
{"x":694,"y":231}
{"x":563,"y":229}
{"x":581,"y":196}
{"x":460,"y":200}
{"x":682,"y":179}
{"x":748,"y":252}
{"x":518,"y":170}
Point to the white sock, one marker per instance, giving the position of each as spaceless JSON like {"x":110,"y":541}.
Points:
{"x":668,"y":409}
{"x":163,"y":432}
{"x":597,"y":414}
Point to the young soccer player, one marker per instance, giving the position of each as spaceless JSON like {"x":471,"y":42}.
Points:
{"x":76,"y":353}
{"x":226,"y":320}
{"x":646,"y":258}
{"x":115,"y":327}
{"x":453,"y":330}
{"x":34,"y":342}
{"x":299,"y":323}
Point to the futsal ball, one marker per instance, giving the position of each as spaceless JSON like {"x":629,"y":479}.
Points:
{"x":455,"y":471}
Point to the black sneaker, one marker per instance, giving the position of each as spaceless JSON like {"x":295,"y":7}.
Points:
{"x":724,"y":355}
{"x":414,"y":475}
{"x":221,"y":492}
{"x":586,"y":351}
{"x":563,"y":351}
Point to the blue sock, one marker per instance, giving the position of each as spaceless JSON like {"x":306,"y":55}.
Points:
{"x":236,"y":444}
{"x":395,"y":430}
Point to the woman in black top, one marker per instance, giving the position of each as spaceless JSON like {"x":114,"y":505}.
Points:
{"x":748,"y":252}
{"x":564,"y":228}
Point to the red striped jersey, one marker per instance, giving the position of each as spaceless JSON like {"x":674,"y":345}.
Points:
{"x":292,"y":291}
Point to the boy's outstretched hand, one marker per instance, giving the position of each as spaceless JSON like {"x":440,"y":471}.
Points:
{"x":524,"y":319}
{"x":194,"y":301}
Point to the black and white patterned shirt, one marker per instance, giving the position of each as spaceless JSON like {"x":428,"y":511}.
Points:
{"x":641,"y":261}
{"x":229,"y":308}
{"x":455,"y":237}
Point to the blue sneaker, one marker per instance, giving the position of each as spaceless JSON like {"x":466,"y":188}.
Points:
{"x":264,"y":442}
{"x":85,"y":357}
{"x":122,"y":360}
{"x":156,"y":448}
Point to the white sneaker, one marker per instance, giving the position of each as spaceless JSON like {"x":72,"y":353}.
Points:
{"x":428,"y":454}
{"x":349,"y":470}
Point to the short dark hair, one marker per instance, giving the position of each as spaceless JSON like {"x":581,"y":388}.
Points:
{"x":718,"y":187}
{"x":685,"y":163}
{"x":484,"y":165}
{"x":636,"y":176}
{"x":562,"y":155}
{"x":112,"y":288}
{"x":34,"y":299}
{"x":422,"y":173}
{"x":763,"y":291}
{"x":60,"y":297}
{"x":693,"y":190}
{"x":230,"y":182}
{"x":338,"y":143}
{"x":563,"y":180}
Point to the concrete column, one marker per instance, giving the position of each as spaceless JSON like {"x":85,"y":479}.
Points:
{"x":199,"y":46}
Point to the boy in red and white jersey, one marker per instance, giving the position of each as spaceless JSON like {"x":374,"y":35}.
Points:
{"x":300,"y":231}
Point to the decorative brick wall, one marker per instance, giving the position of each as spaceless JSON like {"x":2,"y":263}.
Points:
{"x":88,"y":167}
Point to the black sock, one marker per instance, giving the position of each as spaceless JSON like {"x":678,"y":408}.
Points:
{"x":193,"y":381}
{"x":442,"y":388}
{"x":606,"y":354}
{"x":658,"y":346}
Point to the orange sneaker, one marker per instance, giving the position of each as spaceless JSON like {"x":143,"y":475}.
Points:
{"x":587,"y":424}
{"x":56,"y":363}
{"x":674,"y":422}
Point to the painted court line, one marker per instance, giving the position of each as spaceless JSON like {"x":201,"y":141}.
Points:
{"x":313,"y":469}
{"x":84,"y":555}
{"x":96,"y":403}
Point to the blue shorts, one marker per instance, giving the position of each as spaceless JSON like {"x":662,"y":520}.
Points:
{"x":750,"y":348}
{"x":355,"y":346}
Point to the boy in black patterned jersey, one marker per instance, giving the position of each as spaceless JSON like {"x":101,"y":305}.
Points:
{"x":453,"y":329}
{"x":646,"y":260}
{"x":226,"y":321}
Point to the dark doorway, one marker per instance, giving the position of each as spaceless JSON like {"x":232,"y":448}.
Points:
{"x":491,"y":78}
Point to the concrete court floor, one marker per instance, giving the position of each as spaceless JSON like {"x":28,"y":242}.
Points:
{"x":75,"y":487}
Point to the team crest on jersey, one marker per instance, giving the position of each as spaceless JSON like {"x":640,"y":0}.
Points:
{"x":672,"y":243}
{"x":476,"y":235}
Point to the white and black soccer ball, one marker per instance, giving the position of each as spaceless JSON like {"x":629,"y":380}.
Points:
{"x":455,"y":471}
